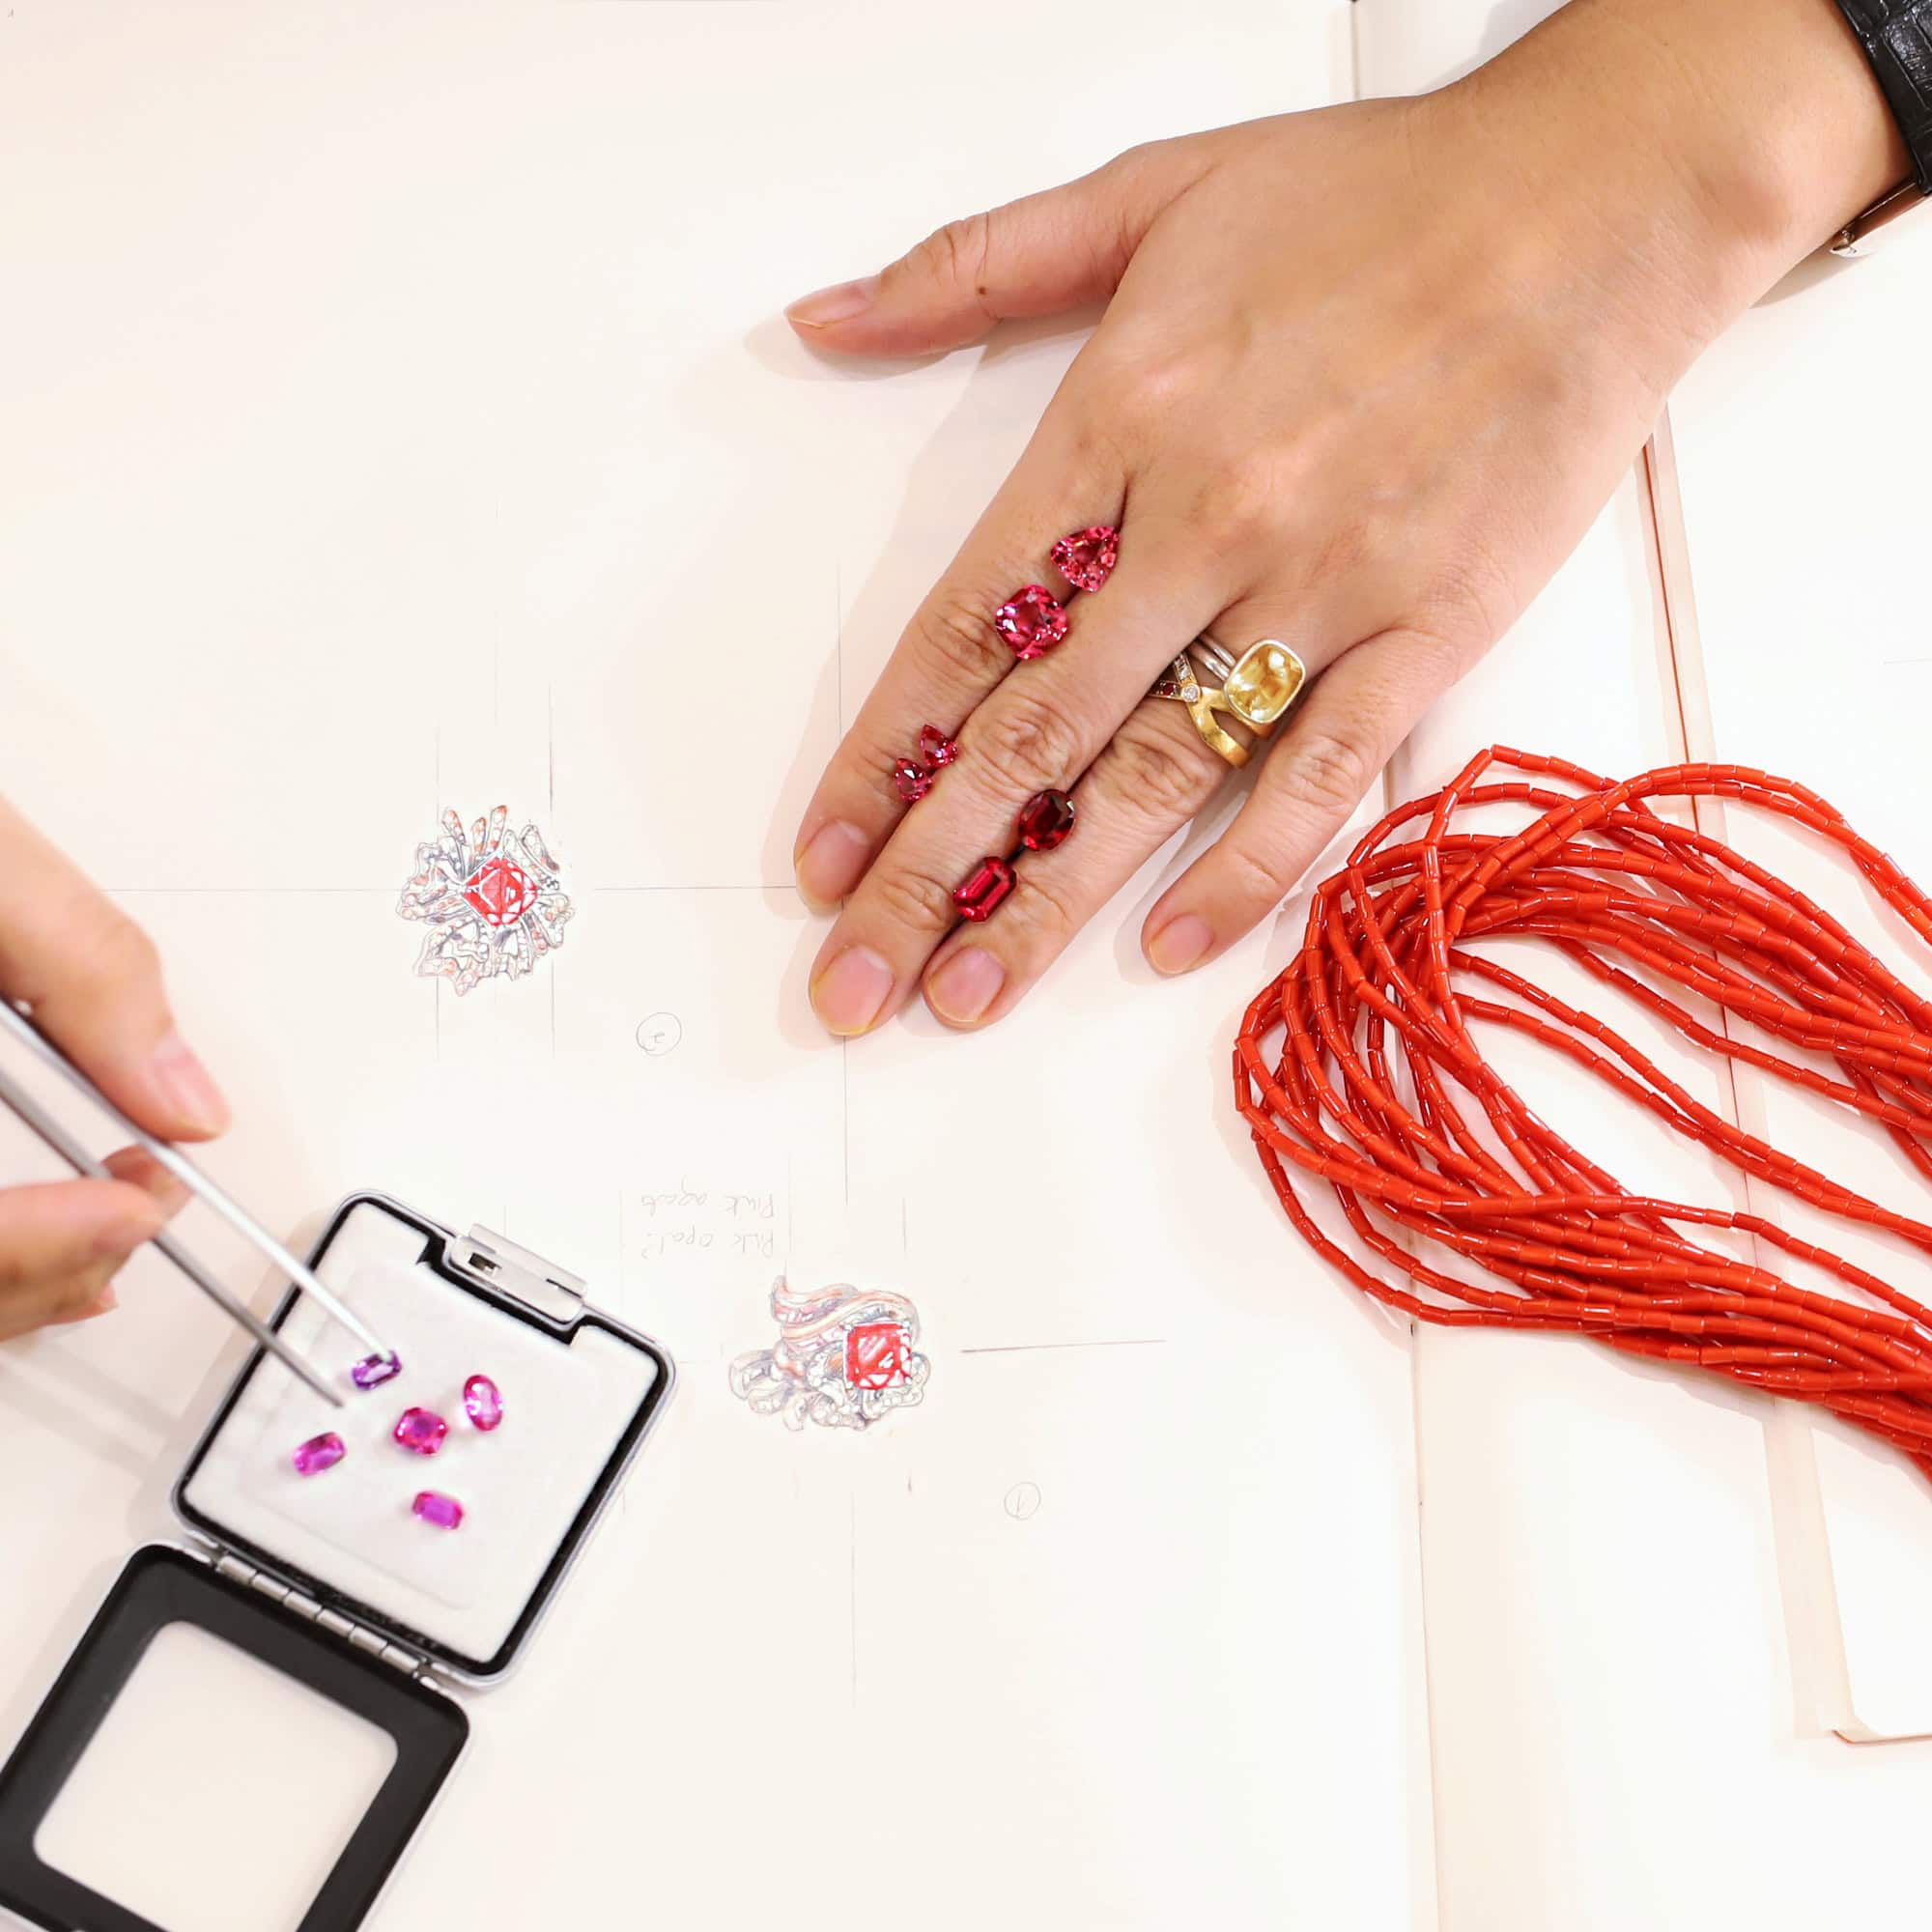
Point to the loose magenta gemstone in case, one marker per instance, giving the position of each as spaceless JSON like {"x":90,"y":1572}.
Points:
{"x":1086,"y":558}
{"x":1032,"y":620}
{"x":911,"y":779}
{"x":318,"y":1453}
{"x":935,"y":747}
{"x":499,"y":891}
{"x":433,"y":1506}
{"x":1045,"y":819}
{"x":483,"y":1402}
{"x":980,"y":894}
{"x":875,"y":1356}
{"x":372,"y":1371}
{"x":421,"y":1430}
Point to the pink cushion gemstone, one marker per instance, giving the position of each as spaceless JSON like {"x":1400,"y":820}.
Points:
{"x":1045,"y":819}
{"x":981,"y":892}
{"x":317,"y":1454}
{"x":433,"y":1506}
{"x":483,"y":1402}
{"x":421,"y":1430}
{"x":1086,"y":558}
{"x":911,"y":779}
{"x":499,"y":891}
{"x":1032,"y":620}
{"x":875,"y":1356}
{"x":935,"y":747}
{"x":374,"y":1369}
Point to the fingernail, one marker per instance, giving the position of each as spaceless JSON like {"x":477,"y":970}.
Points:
{"x":849,"y":993}
{"x":829,"y":863}
{"x":839,"y":303}
{"x":966,"y":985}
{"x":189,"y":1087}
{"x":1180,"y":943}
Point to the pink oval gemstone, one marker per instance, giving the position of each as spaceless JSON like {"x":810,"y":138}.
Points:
{"x":911,"y":779}
{"x":372,"y":1371}
{"x":980,"y":894}
{"x":935,"y":747}
{"x":318,"y":1453}
{"x":1032,"y":620}
{"x":420,"y":1430}
{"x":1045,"y":819}
{"x":1086,"y":558}
{"x":433,"y":1506}
{"x":483,"y":1402}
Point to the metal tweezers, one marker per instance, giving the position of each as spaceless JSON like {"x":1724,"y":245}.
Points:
{"x":15,"y":1097}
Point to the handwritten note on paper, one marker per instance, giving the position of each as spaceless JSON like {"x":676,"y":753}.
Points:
{"x":695,"y":1218}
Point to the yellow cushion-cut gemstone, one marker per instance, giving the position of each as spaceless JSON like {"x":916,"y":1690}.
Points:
{"x":1262,"y":683}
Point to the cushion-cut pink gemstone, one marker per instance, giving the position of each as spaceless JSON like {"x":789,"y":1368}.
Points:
{"x":372,"y":1371}
{"x":433,"y":1506}
{"x":499,"y":891}
{"x":1086,"y":558}
{"x":421,"y":1430}
{"x":984,"y":889}
{"x":1045,"y":819}
{"x":483,"y":1402}
{"x":935,"y":747}
{"x":318,"y":1453}
{"x":875,"y":1356}
{"x":1032,"y":620}
{"x":911,"y":779}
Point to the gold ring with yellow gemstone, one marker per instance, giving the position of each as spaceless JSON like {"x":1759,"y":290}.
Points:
{"x":1258,"y":687}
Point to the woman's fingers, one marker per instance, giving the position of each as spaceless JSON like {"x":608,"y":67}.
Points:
{"x":1326,"y":756}
{"x":93,"y":980}
{"x":1038,"y":256}
{"x":60,"y":1243}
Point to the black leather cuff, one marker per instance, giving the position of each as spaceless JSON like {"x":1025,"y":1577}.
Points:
{"x":1898,"y":37}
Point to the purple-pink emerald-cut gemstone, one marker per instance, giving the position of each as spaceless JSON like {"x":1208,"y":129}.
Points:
{"x":317,"y":1454}
{"x":433,"y":1506}
{"x":483,"y":1402}
{"x":421,"y":1430}
{"x":372,"y":1371}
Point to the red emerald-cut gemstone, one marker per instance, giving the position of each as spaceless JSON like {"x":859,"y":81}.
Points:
{"x":980,"y":894}
{"x":499,"y":891}
{"x":1032,"y":620}
{"x":318,"y":1453}
{"x":1086,"y":558}
{"x":420,"y":1430}
{"x":1045,"y":819}
{"x":935,"y":747}
{"x":434,"y":1507}
{"x":875,"y":1356}
{"x":911,"y":779}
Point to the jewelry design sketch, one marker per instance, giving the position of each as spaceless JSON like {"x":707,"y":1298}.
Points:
{"x":844,"y":1357}
{"x":492,"y":899}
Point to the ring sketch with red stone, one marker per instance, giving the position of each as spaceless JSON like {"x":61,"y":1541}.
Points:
{"x":844,"y":1357}
{"x":492,"y":899}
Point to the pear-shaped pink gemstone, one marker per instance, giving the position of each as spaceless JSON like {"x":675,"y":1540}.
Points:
{"x":1086,"y":558}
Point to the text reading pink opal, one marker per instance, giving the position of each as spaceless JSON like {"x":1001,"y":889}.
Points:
{"x":935,"y":747}
{"x":434,"y":1507}
{"x":421,"y":1431}
{"x":317,"y":1454}
{"x":372,"y":1371}
{"x":1046,"y":821}
{"x":483,"y":1403}
{"x":980,"y":894}
{"x":1086,"y":558}
{"x":1032,"y":620}
{"x":911,"y":779}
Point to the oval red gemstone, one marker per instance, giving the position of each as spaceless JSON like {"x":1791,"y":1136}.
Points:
{"x":1032,"y":620}
{"x":911,"y":779}
{"x":1086,"y":558}
{"x":1045,"y":819}
{"x":935,"y":747}
{"x":980,"y":894}
{"x":483,"y":1403}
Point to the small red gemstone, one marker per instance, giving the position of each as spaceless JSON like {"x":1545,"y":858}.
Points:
{"x":935,"y":747}
{"x":499,"y":891}
{"x":1086,"y":558}
{"x":420,"y":1430}
{"x":980,"y":894}
{"x":1045,"y":819}
{"x":875,"y":1356}
{"x":1032,"y":620}
{"x":911,"y":779}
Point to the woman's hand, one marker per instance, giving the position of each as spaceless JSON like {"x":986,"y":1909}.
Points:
{"x":1364,"y":379}
{"x":91,"y":976}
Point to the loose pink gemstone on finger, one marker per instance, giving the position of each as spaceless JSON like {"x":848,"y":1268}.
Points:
{"x":420,"y":1430}
{"x":434,"y":1507}
{"x":911,"y":779}
{"x":372,"y":1371}
{"x":935,"y":747}
{"x":483,"y":1403}
{"x":980,"y":894}
{"x":1032,"y":620}
{"x":1086,"y":558}
{"x":318,"y":1453}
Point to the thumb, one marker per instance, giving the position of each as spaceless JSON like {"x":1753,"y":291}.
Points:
{"x":1042,"y":255}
